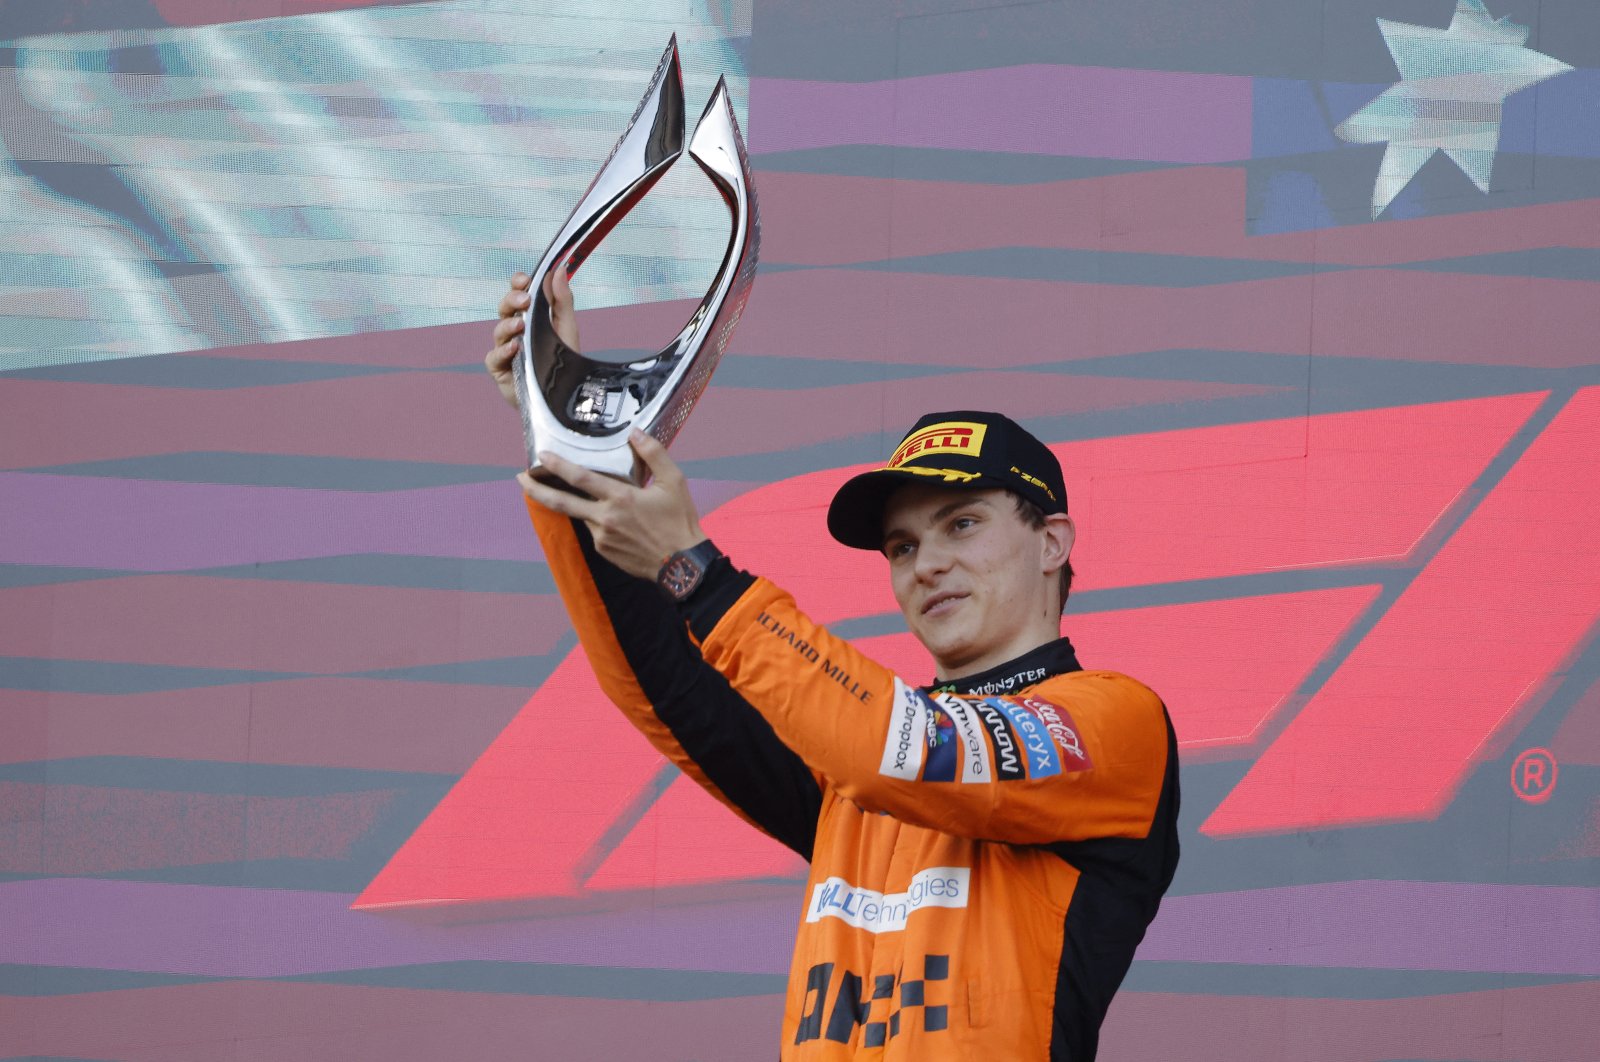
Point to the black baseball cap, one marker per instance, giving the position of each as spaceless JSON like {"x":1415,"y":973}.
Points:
{"x":962,"y":448}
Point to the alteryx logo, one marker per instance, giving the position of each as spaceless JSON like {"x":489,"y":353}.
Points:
{"x":1042,"y":759}
{"x":1322,"y":600}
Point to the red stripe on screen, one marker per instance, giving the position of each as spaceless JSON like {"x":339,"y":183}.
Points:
{"x":1422,"y":699}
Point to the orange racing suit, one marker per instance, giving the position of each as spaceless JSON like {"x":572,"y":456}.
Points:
{"x":985,"y":855}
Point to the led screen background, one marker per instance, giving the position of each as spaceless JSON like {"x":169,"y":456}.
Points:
{"x":280,"y":665}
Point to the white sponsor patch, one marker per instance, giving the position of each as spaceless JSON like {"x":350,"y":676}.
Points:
{"x":879,"y":913}
{"x":907,"y":738}
{"x":969,"y":731}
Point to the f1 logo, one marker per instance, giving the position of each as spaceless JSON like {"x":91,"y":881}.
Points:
{"x":1369,"y":699}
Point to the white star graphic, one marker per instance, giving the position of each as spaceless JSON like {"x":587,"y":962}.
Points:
{"x":1453,"y":85}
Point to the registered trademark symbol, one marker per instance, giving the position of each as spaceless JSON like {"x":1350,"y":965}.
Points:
{"x":1533,"y":775}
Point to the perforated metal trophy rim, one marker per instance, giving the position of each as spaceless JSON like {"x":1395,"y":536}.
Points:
{"x":582,"y":408}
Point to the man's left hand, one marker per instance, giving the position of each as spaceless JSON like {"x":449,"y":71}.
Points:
{"x":635,"y":528}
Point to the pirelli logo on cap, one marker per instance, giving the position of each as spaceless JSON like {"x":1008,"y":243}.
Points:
{"x":951,"y":436}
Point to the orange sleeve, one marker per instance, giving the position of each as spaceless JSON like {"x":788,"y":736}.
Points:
{"x":648,"y":666}
{"x":1078,"y":756}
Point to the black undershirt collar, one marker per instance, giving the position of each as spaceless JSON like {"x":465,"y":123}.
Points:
{"x":1036,"y":665}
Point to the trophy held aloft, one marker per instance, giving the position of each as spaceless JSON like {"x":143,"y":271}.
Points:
{"x":581,"y":408}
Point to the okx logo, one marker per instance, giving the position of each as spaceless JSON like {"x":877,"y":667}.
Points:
{"x":882,"y":1006}
{"x":1357,"y":606}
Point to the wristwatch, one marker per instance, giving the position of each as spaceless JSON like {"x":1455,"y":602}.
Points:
{"x":684,"y":570}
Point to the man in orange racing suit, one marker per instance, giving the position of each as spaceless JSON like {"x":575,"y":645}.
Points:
{"x":986,"y":852}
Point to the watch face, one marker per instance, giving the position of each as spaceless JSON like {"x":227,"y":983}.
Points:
{"x":680,"y":575}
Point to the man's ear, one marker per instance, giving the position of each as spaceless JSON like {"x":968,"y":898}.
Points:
{"x":1059,"y":535}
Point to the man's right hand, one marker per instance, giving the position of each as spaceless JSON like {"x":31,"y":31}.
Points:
{"x":508,"y":330}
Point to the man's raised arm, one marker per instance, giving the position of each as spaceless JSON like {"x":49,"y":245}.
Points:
{"x":641,"y":652}
{"x":870,"y":733}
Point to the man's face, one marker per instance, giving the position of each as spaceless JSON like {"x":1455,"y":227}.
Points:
{"x":970,"y":576}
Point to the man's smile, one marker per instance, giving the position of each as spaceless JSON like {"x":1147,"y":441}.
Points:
{"x":942,"y":602}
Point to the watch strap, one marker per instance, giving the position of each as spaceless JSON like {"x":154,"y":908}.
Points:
{"x":681,"y":574}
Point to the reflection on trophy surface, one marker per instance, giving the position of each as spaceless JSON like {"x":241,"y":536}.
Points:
{"x":581,"y":408}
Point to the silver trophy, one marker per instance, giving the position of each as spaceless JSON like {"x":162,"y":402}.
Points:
{"x":580,"y":408}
